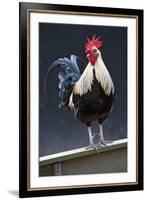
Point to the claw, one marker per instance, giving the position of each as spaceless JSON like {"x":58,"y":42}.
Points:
{"x":103,"y":143}
{"x":91,"y":146}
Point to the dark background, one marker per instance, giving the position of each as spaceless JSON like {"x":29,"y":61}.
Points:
{"x":58,"y":129}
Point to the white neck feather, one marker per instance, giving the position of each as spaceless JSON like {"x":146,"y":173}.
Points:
{"x":103,"y":76}
{"x":85,"y":82}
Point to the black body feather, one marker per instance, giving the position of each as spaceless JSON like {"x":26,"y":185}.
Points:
{"x":94,"y":105}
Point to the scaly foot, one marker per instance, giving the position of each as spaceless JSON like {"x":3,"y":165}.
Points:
{"x":92,"y":146}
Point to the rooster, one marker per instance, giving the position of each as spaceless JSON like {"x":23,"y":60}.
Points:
{"x":89,"y":95}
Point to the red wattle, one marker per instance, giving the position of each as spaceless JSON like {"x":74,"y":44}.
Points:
{"x":92,"y":59}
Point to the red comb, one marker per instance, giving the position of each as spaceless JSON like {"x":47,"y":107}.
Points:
{"x":94,"y":42}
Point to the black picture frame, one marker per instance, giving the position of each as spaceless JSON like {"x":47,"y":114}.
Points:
{"x":24,"y":148}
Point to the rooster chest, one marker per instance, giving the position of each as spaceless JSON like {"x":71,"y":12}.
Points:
{"x":95,"y":104}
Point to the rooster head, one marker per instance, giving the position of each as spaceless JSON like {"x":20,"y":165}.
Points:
{"x":91,"y":49}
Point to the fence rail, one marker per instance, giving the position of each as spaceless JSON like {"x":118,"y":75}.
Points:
{"x":109,"y":159}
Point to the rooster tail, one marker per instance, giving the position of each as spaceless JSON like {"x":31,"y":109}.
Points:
{"x":66,"y":66}
{"x":68,"y":74}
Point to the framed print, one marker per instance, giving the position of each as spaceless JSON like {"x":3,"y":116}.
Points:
{"x":81,"y":99}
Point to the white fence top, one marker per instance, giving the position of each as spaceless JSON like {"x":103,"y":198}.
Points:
{"x":80,"y":152}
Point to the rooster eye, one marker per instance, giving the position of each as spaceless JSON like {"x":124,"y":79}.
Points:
{"x":94,"y":50}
